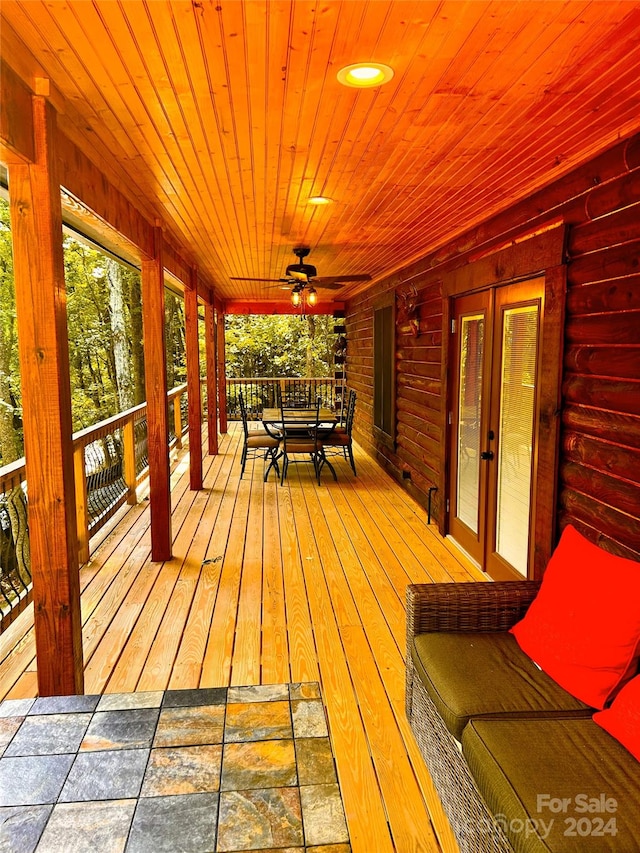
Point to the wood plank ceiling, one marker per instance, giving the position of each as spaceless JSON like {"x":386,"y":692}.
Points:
{"x":221,"y":118}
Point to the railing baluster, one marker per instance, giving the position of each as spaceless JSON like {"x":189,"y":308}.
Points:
{"x":129,"y":460}
{"x":266,"y":392}
{"x":177,"y":420}
{"x":82,"y":504}
{"x":109,"y":461}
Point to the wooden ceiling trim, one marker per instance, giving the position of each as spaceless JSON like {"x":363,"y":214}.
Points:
{"x":222,"y":138}
{"x":276,"y":60}
{"x":401,"y":121}
{"x":214,"y":221}
{"x":254,"y":62}
{"x":23,"y":62}
{"x":120,"y":85}
{"x":65,"y":37}
{"x":547,"y":148}
{"x":224,"y":152}
{"x":187,"y":108}
{"x":69,"y":121}
{"x":361,"y":129}
{"x":131,"y":79}
{"x":402,"y":201}
{"x":237,"y":53}
{"x":152,"y":86}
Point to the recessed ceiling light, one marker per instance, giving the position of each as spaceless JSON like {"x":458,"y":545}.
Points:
{"x":363,"y":75}
{"x":320,"y":199}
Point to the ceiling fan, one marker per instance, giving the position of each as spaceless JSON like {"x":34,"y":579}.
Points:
{"x":303,"y":275}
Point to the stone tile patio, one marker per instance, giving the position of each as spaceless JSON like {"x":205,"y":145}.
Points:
{"x":200,"y":771}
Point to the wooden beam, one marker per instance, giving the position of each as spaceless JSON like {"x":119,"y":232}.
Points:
{"x":545,"y":486}
{"x":212,"y":376}
{"x":193,"y":381}
{"x":16,"y":118}
{"x":222,"y":373}
{"x":175,"y":263}
{"x":155,"y":362}
{"x":36,"y":221}
{"x":272,"y":306}
{"x":83,"y":180}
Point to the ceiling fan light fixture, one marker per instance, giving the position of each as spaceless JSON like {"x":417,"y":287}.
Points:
{"x":365,"y":75}
{"x":312,"y":296}
{"x":296,"y":296}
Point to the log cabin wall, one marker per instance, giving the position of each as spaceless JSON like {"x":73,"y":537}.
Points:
{"x":599,"y":463}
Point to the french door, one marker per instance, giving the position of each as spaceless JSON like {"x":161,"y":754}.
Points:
{"x":494,"y":423}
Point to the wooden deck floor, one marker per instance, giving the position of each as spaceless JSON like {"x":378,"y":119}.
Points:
{"x":273,"y":584}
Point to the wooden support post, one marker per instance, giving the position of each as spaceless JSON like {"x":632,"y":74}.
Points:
{"x":177,"y":420}
{"x":36,"y":223}
{"x":222,"y":373}
{"x":194,"y":394}
{"x":212,"y":377}
{"x":155,"y":363}
{"x":82,"y":506}
{"x":129,"y":460}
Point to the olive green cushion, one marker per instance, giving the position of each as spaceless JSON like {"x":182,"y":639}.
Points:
{"x":484,"y":674}
{"x":561,"y":785}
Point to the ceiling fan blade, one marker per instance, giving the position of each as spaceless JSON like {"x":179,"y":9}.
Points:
{"x":340,"y":279}
{"x":246,"y":278}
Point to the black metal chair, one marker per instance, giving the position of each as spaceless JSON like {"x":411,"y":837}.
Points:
{"x":340,"y":439}
{"x":258,"y":444}
{"x":296,"y":395}
{"x":300,"y":440}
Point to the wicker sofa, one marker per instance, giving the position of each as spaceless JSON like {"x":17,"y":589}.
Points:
{"x":517,"y":762}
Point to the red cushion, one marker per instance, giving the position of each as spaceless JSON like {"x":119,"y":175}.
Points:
{"x":583,"y":628}
{"x":622,"y":719}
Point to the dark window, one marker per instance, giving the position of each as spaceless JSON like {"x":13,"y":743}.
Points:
{"x":383,"y":371}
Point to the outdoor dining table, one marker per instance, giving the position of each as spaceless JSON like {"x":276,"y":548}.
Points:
{"x":272,"y":419}
{"x":306,"y":418}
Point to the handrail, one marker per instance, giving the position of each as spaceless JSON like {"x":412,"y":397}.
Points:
{"x":12,"y":474}
{"x":88,"y":434}
{"x":266,"y":392}
{"x":109,"y":463}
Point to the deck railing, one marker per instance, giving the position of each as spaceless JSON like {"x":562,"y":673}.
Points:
{"x":15,"y":563}
{"x":110,"y":460}
{"x":263,"y":393}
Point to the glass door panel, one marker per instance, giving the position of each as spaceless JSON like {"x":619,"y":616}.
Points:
{"x":494,"y":358}
{"x":469,"y":418}
{"x":517,"y":409}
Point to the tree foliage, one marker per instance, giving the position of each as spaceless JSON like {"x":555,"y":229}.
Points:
{"x":10,"y":423}
{"x":104,"y":319}
{"x":259,"y":345}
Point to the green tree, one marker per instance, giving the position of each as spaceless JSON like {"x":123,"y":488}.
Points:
{"x":91,"y":352}
{"x":11,"y":447}
{"x":175,"y":339}
{"x":15,"y":553}
{"x":284,"y":345}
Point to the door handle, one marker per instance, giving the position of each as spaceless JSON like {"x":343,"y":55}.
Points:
{"x":486,"y":454}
